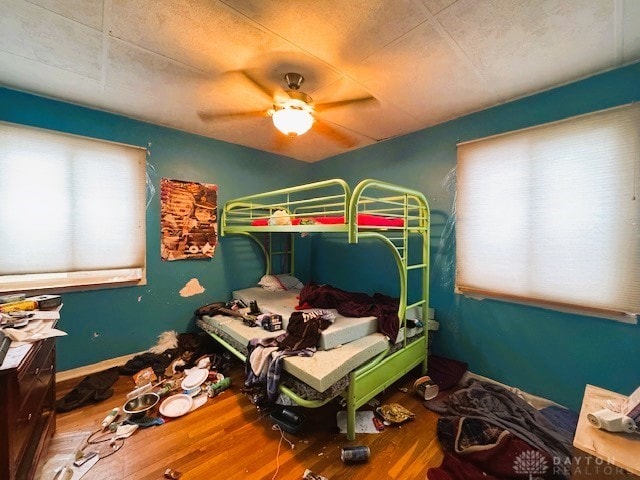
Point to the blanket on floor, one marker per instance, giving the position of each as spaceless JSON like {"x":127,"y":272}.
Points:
{"x":476,"y":449}
{"x":489,"y":432}
{"x":501,"y":407}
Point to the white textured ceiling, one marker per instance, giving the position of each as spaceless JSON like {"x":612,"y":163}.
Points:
{"x":425,"y":61}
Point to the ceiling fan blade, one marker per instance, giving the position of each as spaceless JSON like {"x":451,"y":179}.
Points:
{"x":210,"y":116}
{"x":268,"y":92}
{"x":329,"y":131}
{"x":321,"y":107}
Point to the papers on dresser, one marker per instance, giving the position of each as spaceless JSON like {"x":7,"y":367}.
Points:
{"x":15,"y":355}
{"x":34,"y":331}
{"x":46,"y":315}
{"x":40,"y":326}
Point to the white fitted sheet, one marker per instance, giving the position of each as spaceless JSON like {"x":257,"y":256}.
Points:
{"x":344,"y":329}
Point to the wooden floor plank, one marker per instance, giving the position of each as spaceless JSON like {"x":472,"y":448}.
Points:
{"x":228,"y":438}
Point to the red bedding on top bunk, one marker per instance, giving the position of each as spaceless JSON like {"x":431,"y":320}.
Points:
{"x":364,"y":220}
{"x":263,"y":222}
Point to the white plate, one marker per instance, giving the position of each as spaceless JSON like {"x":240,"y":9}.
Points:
{"x":199,"y":401}
{"x":176,"y":405}
{"x":194,"y":378}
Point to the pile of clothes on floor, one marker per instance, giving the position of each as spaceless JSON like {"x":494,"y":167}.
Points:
{"x":490,"y":432}
{"x":173,"y":354}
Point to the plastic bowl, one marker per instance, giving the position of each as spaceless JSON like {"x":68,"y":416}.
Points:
{"x":141,"y":404}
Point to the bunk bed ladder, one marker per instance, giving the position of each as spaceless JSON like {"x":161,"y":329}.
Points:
{"x":411,"y":206}
{"x":283,"y":250}
{"x":384,"y":370}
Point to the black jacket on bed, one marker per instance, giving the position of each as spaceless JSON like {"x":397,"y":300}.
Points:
{"x":304,"y":330}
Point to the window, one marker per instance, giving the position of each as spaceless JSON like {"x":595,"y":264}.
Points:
{"x":550,"y":215}
{"x":72,"y":211}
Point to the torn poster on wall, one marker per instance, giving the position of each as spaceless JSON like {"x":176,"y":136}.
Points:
{"x":188,"y":219}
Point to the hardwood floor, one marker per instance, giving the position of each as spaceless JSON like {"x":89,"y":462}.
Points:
{"x":228,"y":438}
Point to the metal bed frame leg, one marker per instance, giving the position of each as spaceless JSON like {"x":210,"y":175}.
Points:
{"x":351,"y":421}
{"x":426,"y":349}
{"x":351,"y":407}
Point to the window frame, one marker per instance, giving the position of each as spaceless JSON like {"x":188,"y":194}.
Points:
{"x":89,"y":279}
{"x":567,"y":307}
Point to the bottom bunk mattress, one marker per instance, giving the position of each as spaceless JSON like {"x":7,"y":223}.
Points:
{"x":284,"y":302}
{"x":324,"y":369}
{"x":298,"y":387}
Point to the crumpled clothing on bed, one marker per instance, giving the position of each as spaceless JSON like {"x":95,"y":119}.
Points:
{"x":270,"y":362}
{"x":264,"y":359}
{"x":304,"y":329}
{"x":352,"y":304}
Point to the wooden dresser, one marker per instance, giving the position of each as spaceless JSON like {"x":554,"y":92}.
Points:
{"x":27,"y":407}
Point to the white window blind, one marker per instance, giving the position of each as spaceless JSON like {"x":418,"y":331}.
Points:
{"x":550,"y":215}
{"x":72,"y":210}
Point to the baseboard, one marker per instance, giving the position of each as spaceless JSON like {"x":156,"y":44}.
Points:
{"x":94,"y":368}
{"x":535,"y":401}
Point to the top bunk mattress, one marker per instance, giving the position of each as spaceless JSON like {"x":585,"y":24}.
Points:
{"x":283,"y":303}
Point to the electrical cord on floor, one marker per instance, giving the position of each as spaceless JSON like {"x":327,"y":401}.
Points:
{"x":115,"y":444}
{"x":282,"y":437}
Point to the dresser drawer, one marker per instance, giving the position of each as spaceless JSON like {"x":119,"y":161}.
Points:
{"x":41,"y":384}
{"x":27,"y":414}
{"x":38,"y":369}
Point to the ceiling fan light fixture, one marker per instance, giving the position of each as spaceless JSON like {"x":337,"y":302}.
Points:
{"x":292,"y":121}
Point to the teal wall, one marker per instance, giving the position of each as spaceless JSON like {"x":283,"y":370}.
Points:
{"x":104,"y":324}
{"x":540,"y":351}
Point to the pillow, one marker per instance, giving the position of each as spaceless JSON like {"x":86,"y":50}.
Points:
{"x":280,"y":217}
{"x":279,"y":282}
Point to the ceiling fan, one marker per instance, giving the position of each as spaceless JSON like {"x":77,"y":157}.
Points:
{"x":293,"y":112}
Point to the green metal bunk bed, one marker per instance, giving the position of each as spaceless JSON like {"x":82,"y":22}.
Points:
{"x":404,"y":220}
